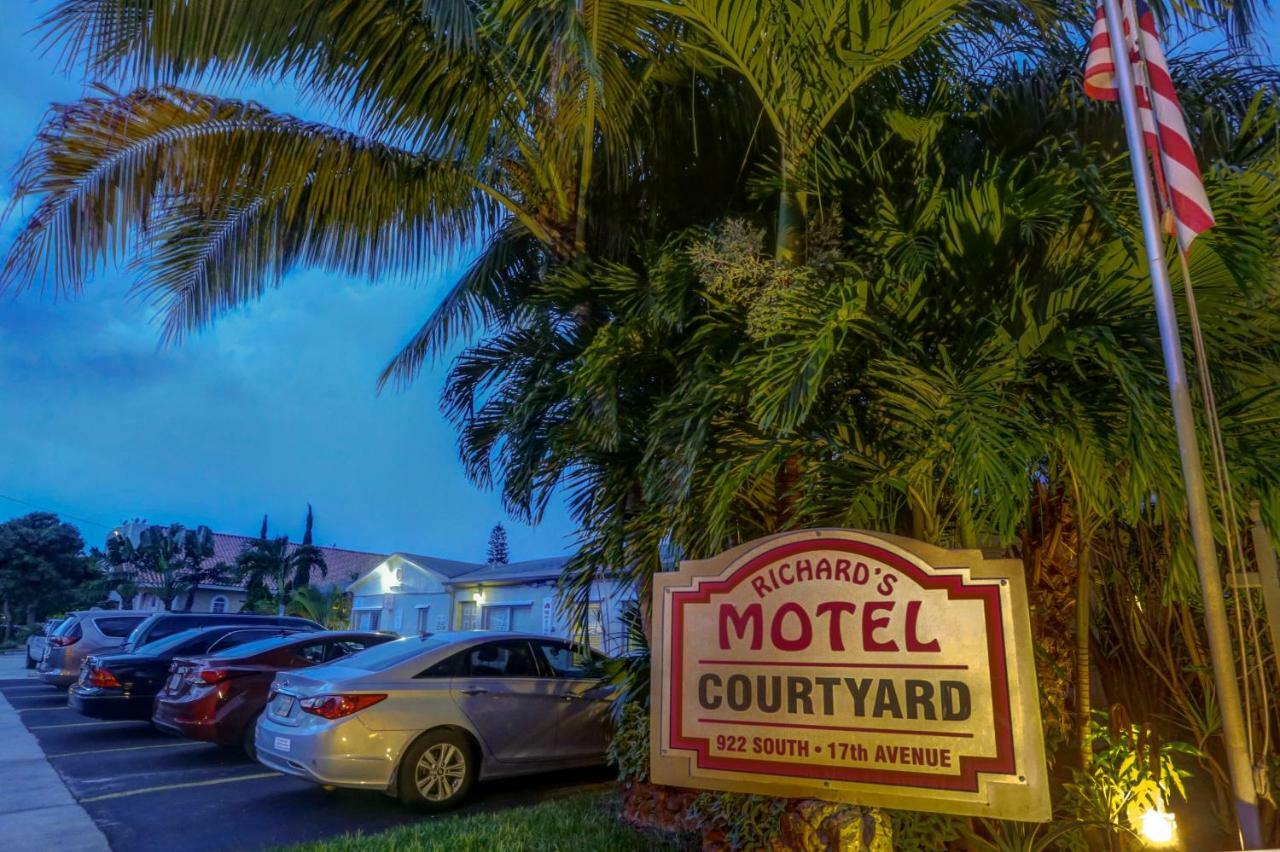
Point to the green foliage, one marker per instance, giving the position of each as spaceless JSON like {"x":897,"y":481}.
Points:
{"x":630,"y":671}
{"x":497,"y":552}
{"x":629,"y":745}
{"x":1132,"y":771}
{"x":42,"y":563}
{"x":748,"y":821}
{"x":915,"y":831}
{"x":272,"y":569}
{"x":171,"y":561}
{"x":330,"y":607}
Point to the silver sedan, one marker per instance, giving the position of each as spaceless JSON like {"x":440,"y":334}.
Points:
{"x":424,"y":718}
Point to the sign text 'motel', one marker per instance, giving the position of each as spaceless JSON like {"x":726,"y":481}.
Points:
{"x":853,"y":667}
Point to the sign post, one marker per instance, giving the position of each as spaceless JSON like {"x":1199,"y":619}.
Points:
{"x":853,"y":667}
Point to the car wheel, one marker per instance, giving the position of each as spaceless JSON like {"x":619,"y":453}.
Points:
{"x":437,"y":771}
{"x":248,"y":739}
{"x":31,"y":663}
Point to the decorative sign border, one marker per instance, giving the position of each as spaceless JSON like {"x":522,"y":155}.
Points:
{"x":1012,"y":784}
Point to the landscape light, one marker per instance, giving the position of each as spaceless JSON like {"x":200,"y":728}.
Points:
{"x":1158,"y":826}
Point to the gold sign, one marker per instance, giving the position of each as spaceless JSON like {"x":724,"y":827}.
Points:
{"x":853,"y":667}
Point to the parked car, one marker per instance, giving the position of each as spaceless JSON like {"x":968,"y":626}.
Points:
{"x":82,"y":634}
{"x":161,"y":624}
{"x":423,"y":718}
{"x":36,"y":641}
{"x":124,"y":686}
{"x":218,"y":698}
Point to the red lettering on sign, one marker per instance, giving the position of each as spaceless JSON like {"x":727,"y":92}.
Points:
{"x":913,"y":631}
{"x":776,"y":633}
{"x":753,"y":618}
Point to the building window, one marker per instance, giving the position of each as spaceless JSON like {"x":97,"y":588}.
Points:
{"x":508,"y":617}
{"x":219,"y":604}
{"x":595,"y":626}
{"x":467,"y":616}
{"x":367,"y":619}
{"x":424,"y":624}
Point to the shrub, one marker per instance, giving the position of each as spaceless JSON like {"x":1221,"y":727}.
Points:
{"x":629,"y":747}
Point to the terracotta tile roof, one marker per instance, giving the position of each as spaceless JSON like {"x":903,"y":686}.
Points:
{"x":344,"y":566}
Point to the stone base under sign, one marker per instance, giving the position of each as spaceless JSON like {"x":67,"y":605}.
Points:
{"x":806,"y":825}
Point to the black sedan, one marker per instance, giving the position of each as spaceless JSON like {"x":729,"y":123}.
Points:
{"x":124,"y":686}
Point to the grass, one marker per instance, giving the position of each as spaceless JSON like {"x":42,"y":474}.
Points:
{"x":583,"y":821}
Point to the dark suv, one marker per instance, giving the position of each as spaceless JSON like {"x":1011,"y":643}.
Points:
{"x":164,"y":624}
{"x":124,"y":686}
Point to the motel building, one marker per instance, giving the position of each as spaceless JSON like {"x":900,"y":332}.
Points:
{"x":410,"y":594}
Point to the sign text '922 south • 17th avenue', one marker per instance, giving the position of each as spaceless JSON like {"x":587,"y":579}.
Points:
{"x":853,"y":667}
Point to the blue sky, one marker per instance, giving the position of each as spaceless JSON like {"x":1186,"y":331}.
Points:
{"x":271,"y":408}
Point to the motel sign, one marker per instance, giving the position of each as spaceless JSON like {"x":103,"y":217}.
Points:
{"x":853,"y":667}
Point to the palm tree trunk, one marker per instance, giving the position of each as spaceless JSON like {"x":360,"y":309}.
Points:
{"x":965,"y":528}
{"x":1083,"y":706}
{"x":789,"y":242}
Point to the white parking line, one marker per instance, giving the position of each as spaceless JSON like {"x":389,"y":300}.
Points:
{"x":164,"y":787}
{"x":185,"y":744}
{"x":88,"y":724}
{"x":39,"y":709}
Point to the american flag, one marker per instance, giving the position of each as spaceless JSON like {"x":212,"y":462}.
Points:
{"x":1178,"y":185}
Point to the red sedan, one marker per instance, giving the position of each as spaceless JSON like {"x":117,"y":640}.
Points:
{"x":218,"y":699}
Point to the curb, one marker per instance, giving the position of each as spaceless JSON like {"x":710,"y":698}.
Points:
{"x":37,"y":811}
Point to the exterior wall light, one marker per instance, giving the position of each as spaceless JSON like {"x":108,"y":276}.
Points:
{"x":1158,"y":827}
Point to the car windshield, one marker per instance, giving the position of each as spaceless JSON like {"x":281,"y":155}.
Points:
{"x":59,"y":627}
{"x":137,"y":633}
{"x":168,"y":643}
{"x":382,"y":657}
{"x":257,"y":646}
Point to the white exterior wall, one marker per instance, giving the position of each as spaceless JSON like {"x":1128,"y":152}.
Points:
{"x":395,"y":590}
{"x":506,"y":607}
{"x":545,"y":614}
{"x":391,"y":596}
{"x":146,"y":601}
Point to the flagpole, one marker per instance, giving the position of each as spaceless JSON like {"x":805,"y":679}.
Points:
{"x":1234,"y":734}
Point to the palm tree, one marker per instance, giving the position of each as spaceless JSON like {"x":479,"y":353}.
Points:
{"x":263,"y":566}
{"x":474,"y":123}
{"x":329,"y":607}
{"x":272,"y":568}
{"x":484,"y":123}
{"x":977,"y":331}
{"x":197,"y":565}
{"x":306,"y":558}
{"x":172,"y":560}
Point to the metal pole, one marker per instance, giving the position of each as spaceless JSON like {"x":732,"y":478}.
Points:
{"x":1234,"y":734}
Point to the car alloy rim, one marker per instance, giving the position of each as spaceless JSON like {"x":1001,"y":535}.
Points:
{"x":440,"y":772}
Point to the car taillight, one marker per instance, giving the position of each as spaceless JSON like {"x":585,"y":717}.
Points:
{"x":211,"y":676}
{"x":337,"y":706}
{"x":102,"y":678}
{"x":64,"y":641}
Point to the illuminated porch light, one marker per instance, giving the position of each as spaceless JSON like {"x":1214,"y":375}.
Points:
{"x":1158,"y":827}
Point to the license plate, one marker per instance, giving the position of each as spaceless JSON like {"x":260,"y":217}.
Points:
{"x":175,"y":680}
{"x":283,"y":744}
{"x":283,"y":705}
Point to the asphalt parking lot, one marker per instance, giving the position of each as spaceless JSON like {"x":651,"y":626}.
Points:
{"x":148,"y":791}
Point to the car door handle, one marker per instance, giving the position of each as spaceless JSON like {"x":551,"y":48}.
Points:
{"x":474,"y":690}
{"x":572,"y":697}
